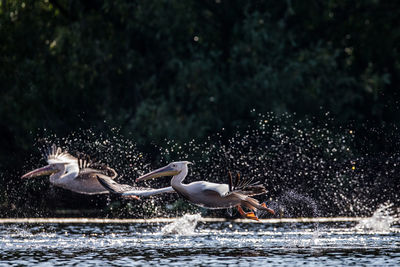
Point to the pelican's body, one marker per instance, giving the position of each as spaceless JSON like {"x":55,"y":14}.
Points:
{"x":210,"y":195}
{"x":79,"y":174}
{"x":84,"y":181}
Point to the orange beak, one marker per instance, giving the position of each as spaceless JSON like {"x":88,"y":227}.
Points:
{"x":46,"y":170}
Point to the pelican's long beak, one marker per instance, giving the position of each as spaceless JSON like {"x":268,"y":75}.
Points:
{"x":46,"y":170}
{"x":164,"y":171}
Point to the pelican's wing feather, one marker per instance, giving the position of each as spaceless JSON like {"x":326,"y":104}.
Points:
{"x":252,"y":190}
{"x":91,"y":174}
{"x":245,"y":186}
{"x":221,"y":189}
{"x":55,"y":155}
{"x":88,"y":173}
{"x":113,"y":186}
{"x":86,"y":166}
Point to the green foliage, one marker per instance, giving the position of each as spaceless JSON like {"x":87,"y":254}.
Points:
{"x":182,"y":70}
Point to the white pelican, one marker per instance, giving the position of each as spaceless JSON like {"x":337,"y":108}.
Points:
{"x":212,"y":195}
{"x":79,"y":174}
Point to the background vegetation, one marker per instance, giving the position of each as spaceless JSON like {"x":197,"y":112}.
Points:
{"x":163,"y":70}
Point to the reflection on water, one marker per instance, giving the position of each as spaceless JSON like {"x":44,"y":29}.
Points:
{"x":209,"y":244}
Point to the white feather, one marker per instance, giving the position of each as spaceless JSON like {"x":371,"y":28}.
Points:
{"x":196,"y":187}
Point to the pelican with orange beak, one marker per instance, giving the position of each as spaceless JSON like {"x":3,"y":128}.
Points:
{"x":212,"y":195}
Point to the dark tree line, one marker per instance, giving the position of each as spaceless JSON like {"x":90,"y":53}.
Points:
{"x":182,"y":70}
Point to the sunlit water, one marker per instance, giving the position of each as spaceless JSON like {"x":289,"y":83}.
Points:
{"x":204,"y":244}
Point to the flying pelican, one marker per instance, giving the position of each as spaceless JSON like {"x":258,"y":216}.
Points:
{"x":212,"y":195}
{"x":80,"y":174}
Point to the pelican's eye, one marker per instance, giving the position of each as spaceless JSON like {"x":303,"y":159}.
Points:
{"x":173,"y":165}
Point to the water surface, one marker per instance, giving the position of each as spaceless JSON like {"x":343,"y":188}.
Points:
{"x":204,"y":244}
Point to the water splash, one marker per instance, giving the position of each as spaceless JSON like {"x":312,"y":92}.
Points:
{"x":293,"y":204}
{"x":382,"y":220}
{"x":182,"y":226}
{"x":313,"y":158}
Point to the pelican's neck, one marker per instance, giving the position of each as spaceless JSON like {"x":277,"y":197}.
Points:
{"x":176,"y":181}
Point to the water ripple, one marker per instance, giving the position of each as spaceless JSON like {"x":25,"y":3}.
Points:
{"x":209,"y":244}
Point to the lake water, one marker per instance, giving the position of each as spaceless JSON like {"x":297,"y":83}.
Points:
{"x":187,"y":241}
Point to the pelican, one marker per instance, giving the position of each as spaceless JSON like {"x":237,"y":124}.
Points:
{"x":79,"y":174}
{"x":212,"y":195}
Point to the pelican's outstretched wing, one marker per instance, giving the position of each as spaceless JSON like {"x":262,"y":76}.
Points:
{"x":125,"y":190}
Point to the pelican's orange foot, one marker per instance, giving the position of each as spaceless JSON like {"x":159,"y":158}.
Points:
{"x":251,"y":216}
{"x":248,"y":215}
{"x":268,"y":209}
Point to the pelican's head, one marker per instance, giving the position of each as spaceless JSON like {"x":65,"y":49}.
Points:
{"x":46,"y":170}
{"x":171,"y":169}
